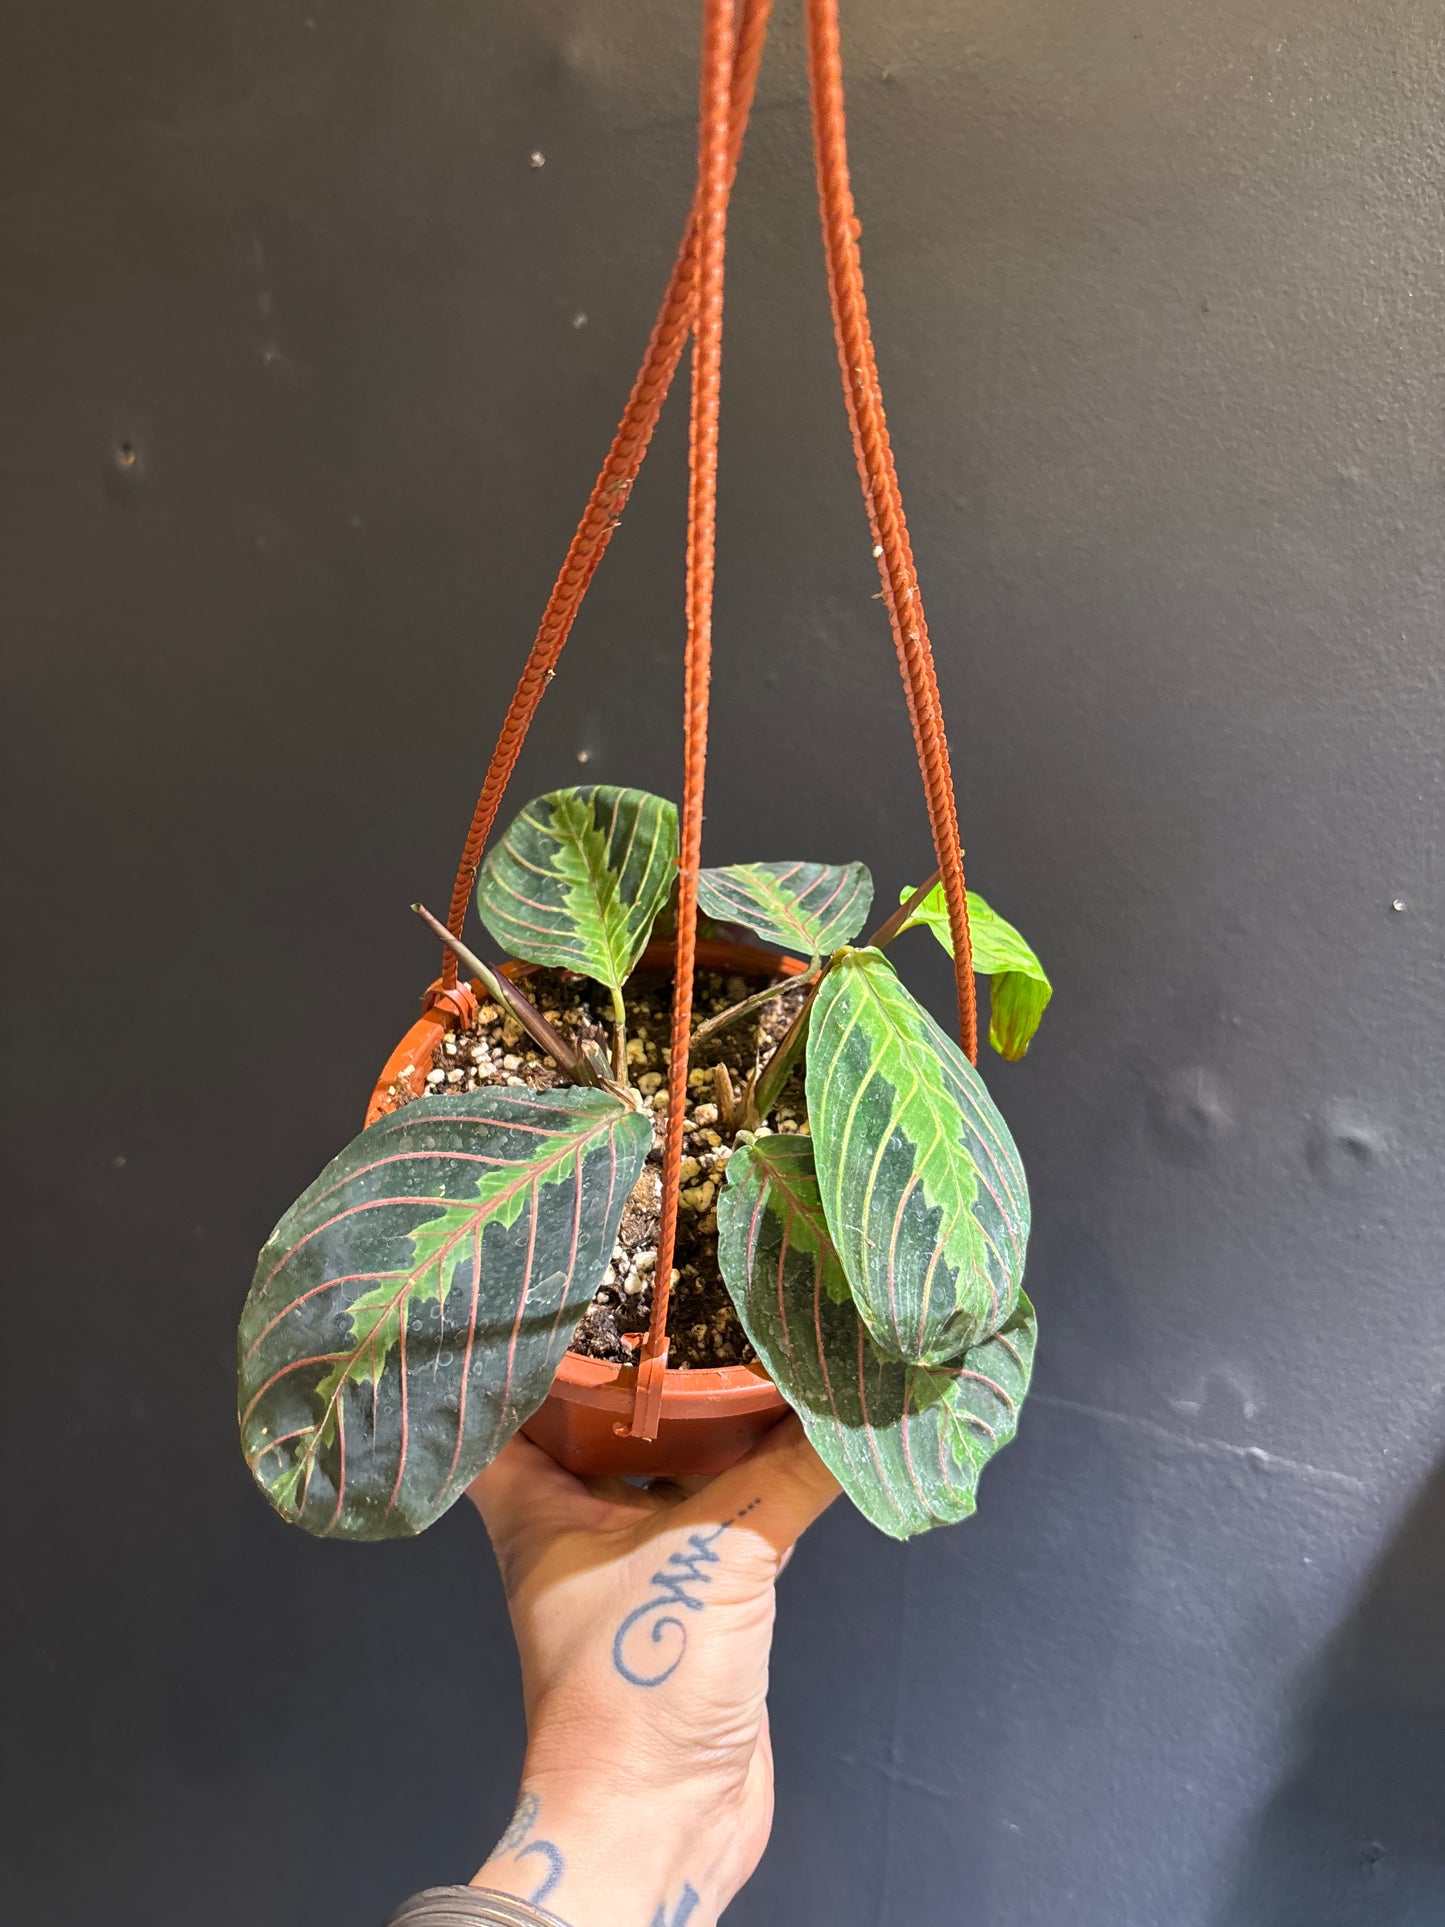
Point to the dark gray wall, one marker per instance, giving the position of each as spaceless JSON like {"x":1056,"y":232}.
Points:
{"x":1159,"y":298}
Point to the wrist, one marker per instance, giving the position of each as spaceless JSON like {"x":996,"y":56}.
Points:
{"x":598,"y":1856}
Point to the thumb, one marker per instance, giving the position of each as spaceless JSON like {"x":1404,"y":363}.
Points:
{"x":775,"y":1492}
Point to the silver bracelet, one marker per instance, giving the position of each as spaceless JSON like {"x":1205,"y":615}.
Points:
{"x":470,"y":1907}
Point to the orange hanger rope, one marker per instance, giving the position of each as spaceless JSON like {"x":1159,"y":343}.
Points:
{"x":714,"y":184}
{"x":694,"y":302}
{"x":881,"y":492}
{"x":609,"y":492}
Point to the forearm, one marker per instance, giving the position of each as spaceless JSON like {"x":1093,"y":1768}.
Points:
{"x":594,"y":1859}
{"x":644,"y":1622}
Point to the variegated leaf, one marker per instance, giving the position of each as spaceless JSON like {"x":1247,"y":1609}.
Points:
{"x":807,"y":907}
{"x":411,"y":1308}
{"x":906,"y":1442}
{"x":1018,"y":991}
{"x":579,"y":879}
{"x":922,"y":1187}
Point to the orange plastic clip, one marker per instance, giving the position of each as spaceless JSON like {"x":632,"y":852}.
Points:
{"x":647,"y":1401}
{"x":459,"y":998}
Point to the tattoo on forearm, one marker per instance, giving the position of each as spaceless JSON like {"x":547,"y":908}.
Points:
{"x":676,"y":1585}
{"x":681,"y":1915}
{"x":520,"y":1824}
{"x":515,"y":1842}
{"x":555,"y":1866}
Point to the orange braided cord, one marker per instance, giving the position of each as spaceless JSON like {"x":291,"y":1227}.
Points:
{"x":714,"y":181}
{"x":881,"y":491}
{"x":609,"y":493}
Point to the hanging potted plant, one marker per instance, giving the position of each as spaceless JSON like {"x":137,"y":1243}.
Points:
{"x":636,"y":1193}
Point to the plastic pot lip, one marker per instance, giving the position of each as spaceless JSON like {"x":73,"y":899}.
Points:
{"x":412,"y":1058}
{"x":687,"y":1394}
{"x":595,"y":1382}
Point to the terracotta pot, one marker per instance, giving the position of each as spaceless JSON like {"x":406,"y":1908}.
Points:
{"x":709,"y":1418}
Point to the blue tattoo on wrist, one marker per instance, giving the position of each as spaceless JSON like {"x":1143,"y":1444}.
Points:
{"x":515,"y":1842}
{"x":520,"y":1824}
{"x":556,"y":1867}
{"x":684,"y":1911}
{"x":683,"y":1570}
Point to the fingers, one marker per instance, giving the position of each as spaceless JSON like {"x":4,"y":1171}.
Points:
{"x":520,"y":1484}
{"x":779,"y":1489}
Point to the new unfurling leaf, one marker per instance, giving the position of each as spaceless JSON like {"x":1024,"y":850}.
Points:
{"x":410,"y":1309}
{"x":922,"y":1187}
{"x":807,"y":907}
{"x":906,"y":1442}
{"x":580,"y":878}
{"x":1018,"y":992}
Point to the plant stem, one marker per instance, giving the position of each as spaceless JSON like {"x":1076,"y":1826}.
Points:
{"x":747,"y":1007}
{"x":619,"y":1038}
{"x":776,"y":1072}
{"x":886,"y":932}
{"x":568,"y":1059}
{"x":778,"y":1069}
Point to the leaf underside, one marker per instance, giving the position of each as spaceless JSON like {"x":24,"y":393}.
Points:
{"x":1018,"y":992}
{"x":906,"y":1442}
{"x":579,"y":879}
{"x":922,"y":1187}
{"x":409,"y":1311}
{"x":808,"y":907}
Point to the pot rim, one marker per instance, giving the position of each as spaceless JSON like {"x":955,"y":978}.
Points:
{"x":688,"y":1393}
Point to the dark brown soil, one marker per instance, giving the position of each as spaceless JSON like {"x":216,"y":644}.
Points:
{"x":703,"y":1328}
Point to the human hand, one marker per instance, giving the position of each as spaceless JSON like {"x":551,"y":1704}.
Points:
{"x":644,"y":1619}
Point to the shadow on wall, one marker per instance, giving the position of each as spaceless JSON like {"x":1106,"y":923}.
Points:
{"x":1354,"y":1835}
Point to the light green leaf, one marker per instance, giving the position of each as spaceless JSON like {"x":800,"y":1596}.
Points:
{"x":922,"y":1186}
{"x":1018,"y":991}
{"x":579,"y":879}
{"x":807,"y":907}
{"x":906,"y":1442}
{"x":411,"y":1308}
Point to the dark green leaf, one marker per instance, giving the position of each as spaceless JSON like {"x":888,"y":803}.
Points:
{"x":1018,"y":989}
{"x":906,"y":1442}
{"x":579,"y":879}
{"x":922,"y":1186}
{"x":807,"y":907}
{"x":411,"y":1308}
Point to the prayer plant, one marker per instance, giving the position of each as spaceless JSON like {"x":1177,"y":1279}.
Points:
{"x":411,"y":1308}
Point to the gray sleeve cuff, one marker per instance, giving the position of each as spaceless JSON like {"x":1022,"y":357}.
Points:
{"x":469,"y":1907}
